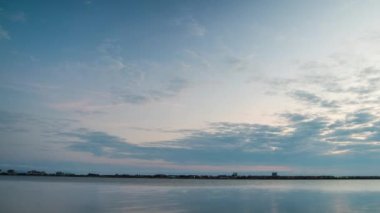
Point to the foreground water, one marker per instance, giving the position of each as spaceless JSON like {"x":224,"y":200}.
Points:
{"x":65,"y":194}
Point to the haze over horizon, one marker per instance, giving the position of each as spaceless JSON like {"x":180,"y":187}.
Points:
{"x":190,"y":86}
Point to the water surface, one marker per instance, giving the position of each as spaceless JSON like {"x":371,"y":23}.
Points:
{"x":70,"y":194}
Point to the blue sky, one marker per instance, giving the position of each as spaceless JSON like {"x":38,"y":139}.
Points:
{"x":190,"y":86}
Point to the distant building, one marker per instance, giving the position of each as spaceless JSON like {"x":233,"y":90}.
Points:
{"x":59,"y":173}
{"x":11,"y":172}
{"x":160,"y":176}
{"x":274,"y":174}
{"x":234,"y":174}
{"x":93,"y":175}
{"x":35,"y":172}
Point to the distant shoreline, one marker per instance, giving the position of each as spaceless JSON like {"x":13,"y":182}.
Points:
{"x":206,"y":177}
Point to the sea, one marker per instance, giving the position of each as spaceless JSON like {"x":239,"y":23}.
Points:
{"x":92,"y":194}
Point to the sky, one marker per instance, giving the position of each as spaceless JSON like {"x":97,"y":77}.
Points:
{"x":201,"y":87}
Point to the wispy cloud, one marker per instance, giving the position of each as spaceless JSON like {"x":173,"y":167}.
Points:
{"x":172,"y":88}
{"x":104,"y":145}
{"x":19,"y":16}
{"x":351,"y":130}
{"x":313,"y":99}
{"x":191,"y":26}
{"x":14,"y":16}
{"x":87,"y":2}
{"x":304,"y":136}
{"x":11,"y":121}
{"x":83,"y":107}
{"x":337,"y":152}
{"x":24,"y":122}
{"x":4,"y":34}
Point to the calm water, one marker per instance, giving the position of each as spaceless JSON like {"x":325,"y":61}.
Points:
{"x":64,"y":194}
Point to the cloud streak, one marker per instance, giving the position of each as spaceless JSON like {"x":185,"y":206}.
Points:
{"x":172,"y":88}
{"x":4,"y":34}
{"x":102,"y":145}
{"x":311,"y":98}
{"x":191,"y":26}
{"x":305,"y":138}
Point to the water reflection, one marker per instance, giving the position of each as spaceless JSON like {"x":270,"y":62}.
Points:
{"x":47,"y":194}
